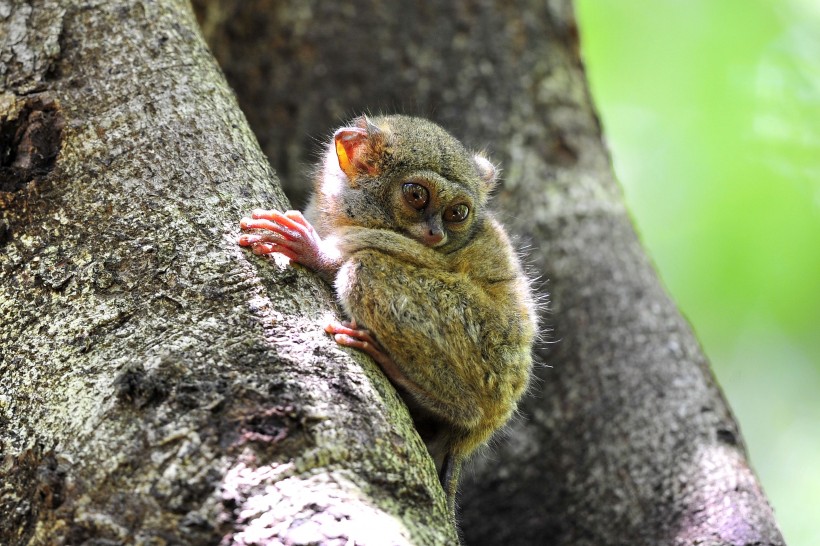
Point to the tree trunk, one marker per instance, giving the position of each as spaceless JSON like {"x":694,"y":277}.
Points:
{"x":625,"y":437}
{"x":161,"y":385}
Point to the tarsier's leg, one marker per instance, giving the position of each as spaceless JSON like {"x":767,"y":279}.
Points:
{"x":348,"y":334}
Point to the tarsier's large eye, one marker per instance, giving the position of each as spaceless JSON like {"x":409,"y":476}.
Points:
{"x":416,"y":195}
{"x":456,"y":213}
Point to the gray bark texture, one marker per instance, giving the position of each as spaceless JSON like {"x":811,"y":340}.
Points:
{"x":159,"y":385}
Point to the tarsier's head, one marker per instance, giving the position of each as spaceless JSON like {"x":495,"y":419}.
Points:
{"x":411,"y":176}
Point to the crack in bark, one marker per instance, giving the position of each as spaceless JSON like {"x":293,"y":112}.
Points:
{"x":31,"y":130}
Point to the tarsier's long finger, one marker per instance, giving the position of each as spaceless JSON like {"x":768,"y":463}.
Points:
{"x":273,"y":242}
{"x":297,"y":217}
{"x":272,"y":248}
{"x":282,"y":219}
{"x":349,"y":327}
{"x":274,"y":238}
{"x":268,"y":225}
{"x":340,"y":328}
{"x":264,"y":214}
{"x":249,"y":239}
{"x":366,"y":347}
{"x":344,"y":329}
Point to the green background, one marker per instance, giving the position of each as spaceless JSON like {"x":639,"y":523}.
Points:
{"x":711,"y":109}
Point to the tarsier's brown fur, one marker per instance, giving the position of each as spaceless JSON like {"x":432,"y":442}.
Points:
{"x":444,"y":296}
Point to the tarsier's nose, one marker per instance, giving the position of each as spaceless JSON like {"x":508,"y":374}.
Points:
{"x":433,"y":237}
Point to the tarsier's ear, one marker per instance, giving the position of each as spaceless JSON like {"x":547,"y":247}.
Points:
{"x":351,"y":142}
{"x":354,"y":147}
{"x":486,"y":171}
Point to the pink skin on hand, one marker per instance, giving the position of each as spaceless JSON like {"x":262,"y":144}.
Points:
{"x":289,"y":234}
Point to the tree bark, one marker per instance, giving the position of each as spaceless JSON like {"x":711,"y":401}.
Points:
{"x":159,"y":385}
{"x":625,"y":437}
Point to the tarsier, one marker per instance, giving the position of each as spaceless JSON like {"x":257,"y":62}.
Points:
{"x":429,"y":281}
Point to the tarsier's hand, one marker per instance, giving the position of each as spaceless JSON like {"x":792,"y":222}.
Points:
{"x":289,"y":234}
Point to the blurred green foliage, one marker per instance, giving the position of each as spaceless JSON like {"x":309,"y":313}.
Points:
{"x":711,"y":109}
